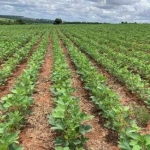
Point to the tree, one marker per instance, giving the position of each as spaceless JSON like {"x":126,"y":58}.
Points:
{"x":57,"y":21}
{"x":124,"y":22}
{"x":20,"y":21}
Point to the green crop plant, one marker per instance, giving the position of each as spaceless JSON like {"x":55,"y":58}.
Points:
{"x":67,"y":117}
{"x":117,"y":116}
{"x":15,"y":106}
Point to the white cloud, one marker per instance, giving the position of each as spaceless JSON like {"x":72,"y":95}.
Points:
{"x":80,"y":10}
{"x":122,"y":2}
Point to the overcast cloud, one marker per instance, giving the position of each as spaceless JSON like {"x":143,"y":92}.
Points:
{"x":80,"y":10}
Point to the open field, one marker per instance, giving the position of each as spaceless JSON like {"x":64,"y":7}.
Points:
{"x":75,"y":87}
{"x":6,"y":21}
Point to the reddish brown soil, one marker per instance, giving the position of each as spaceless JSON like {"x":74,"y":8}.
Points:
{"x":37,"y":135}
{"x":6,"y":88}
{"x":100,"y":138}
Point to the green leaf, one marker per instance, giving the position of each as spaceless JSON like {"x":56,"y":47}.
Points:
{"x":85,"y":117}
{"x":135,"y":136}
{"x":76,"y":142}
{"x":4,"y":98}
{"x":85,"y":128}
{"x":12,"y":137}
{"x":7,"y":105}
{"x":124,"y":145}
{"x":3,"y":147}
{"x":15,"y":147}
{"x":136,"y":147}
{"x":14,"y":91}
{"x":10,"y":95}
{"x":147,"y":138}
{"x":133,"y":142}
{"x":58,"y":126}
{"x":61,"y":141}
{"x":61,"y":148}
{"x":51,"y":120}
{"x":58,"y":113}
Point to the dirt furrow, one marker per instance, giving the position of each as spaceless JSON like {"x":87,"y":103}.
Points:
{"x":6,"y":88}
{"x":36,"y":134}
{"x":100,"y":138}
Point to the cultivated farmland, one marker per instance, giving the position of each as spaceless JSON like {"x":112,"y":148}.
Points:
{"x":75,"y":87}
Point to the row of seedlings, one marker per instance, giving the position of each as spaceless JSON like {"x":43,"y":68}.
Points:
{"x":18,"y":57}
{"x":132,"y":63}
{"x":10,"y":45}
{"x":15,"y":106}
{"x":132,"y":81}
{"x":118,"y":116}
{"x":66,"y":118}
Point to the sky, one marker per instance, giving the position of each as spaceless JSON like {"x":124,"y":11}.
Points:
{"x":113,"y":11}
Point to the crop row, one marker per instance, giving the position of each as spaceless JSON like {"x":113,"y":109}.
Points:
{"x":66,"y":118}
{"x":17,"y":58}
{"x":9,"y":48}
{"x":118,"y":116}
{"x":115,"y":42}
{"x":131,"y":80}
{"x":120,"y":36}
{"x":14,"y":37}
{"x":133,"y":63}
{"x":15,"y":106}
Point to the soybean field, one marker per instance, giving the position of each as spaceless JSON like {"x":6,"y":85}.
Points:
{"x":75,"y":87}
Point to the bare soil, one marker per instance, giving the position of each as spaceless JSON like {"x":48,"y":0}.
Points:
{"x":37,"y":135}
{"x":100,"y":138}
